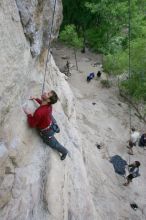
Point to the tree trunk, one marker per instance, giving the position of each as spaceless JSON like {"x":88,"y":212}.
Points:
{"x":76,"y":59}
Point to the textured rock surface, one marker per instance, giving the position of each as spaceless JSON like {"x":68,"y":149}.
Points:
{"x":36,"y":18}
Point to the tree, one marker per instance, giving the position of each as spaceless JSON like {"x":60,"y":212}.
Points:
{"x":69,"y":36}
{"x":104,"y":25}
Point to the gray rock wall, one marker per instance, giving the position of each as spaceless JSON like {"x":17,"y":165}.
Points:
{"x":36,"y":17}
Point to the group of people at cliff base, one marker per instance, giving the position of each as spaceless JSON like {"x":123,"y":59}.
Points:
{"x":135,"y":139}
{"x":92,"y":75}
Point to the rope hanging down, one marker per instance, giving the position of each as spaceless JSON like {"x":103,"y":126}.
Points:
{"x":49,"y":46}
{"x":129,"y":65}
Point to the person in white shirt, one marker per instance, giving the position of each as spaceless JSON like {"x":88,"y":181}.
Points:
{"x":135,"y":135}
{"x":134,"y":138}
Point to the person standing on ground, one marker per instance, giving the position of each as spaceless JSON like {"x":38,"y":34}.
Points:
{"x":142,"y":141}
{"x":99,"y":74}
{"x":134,"y":172}
{"x":90,"y":76}
{"x":134,"y":138}
{"x":43,"y":120}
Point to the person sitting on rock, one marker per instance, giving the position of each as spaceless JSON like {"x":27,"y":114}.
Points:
{"x":90,"y":76}
{"x":98,"y":74}
{"x":133,"y":172}
{"x":142,"y":141}
{"x":43,"y":120}
{"x":134,"y":138}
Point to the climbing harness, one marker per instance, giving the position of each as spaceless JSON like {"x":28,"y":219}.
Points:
{"x":49,"y":46}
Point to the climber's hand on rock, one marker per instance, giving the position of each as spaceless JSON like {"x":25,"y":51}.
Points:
{"x":26,"y":111}
{"x":31,"y":98}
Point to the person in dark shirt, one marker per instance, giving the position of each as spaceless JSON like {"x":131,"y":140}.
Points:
{"x":98,"y":74}
{"x":90,"y":76}
{"x":142,"y":141}
{"x":133,"y":172}
{"x":43,"y":120}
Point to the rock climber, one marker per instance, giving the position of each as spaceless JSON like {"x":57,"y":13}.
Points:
{"x":142,"y":141}
{"x":90,"y":76}
{"x":43,"y":120}
{"x":133,"y":172}
{"x":134,"y":138}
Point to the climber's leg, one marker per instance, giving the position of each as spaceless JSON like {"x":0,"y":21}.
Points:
{"x":50,"y":140}
{"x":128,"y":179}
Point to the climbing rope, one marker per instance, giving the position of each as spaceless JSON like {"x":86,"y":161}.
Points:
{"x":49,"y":46}
{"x":129,"y":64}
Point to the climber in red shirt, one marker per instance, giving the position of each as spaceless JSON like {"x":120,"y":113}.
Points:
{"x":42,"y":117}
{"x":43,"y":120}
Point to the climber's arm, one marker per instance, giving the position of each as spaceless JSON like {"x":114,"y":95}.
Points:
{"x":36,"y":99}
{"x":33,"y":120}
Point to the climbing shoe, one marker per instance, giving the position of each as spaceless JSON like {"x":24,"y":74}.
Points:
{"x":63,"y":156}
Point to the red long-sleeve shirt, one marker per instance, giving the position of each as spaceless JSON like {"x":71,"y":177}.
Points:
{"x":42,"y":117}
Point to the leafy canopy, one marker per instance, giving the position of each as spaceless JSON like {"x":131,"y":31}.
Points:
{"x":103,"y":25}
{"x":70,"y":37}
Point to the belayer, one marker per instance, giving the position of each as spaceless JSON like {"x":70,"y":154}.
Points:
{"x":133,"y":172}
{"x":134,"y":138}
{"x":43,"y":120}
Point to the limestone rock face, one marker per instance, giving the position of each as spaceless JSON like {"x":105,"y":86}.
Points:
{"x":34,"y":183}
{"x":36,"y":17}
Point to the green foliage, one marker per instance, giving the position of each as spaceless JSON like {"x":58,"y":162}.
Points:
{"x":116,"y":44}
{"x":135,"y":87}
{"x":95,"y":40}
{"x":103,"y":25}
{"x":70,"y":37}
{"x":110,"y":17}
{"x":116,"y":63}
{"x":138,"y":55}
{"x":101,"y":22}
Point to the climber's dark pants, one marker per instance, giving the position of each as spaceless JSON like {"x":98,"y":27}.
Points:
{"x":49,"y":139}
